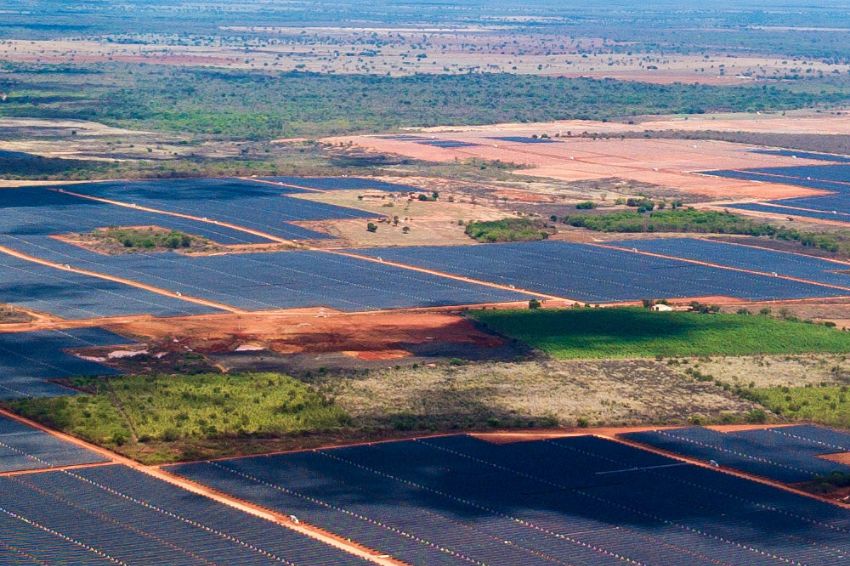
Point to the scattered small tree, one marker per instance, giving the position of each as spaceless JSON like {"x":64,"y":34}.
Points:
{"x":372,"y":227}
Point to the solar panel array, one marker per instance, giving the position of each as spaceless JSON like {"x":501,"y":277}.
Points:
{"x":72,"y":295}
{"x":258,"y":206}
{"x":779,"y":454}
{"x":279,"y":280}
{"x":42,"y":211}
{"x":743,"y":257}
{"x":834,"y":178}
{"x":827,"y":211}
{"x":26,"y":448}
{"x":343,"y":183}
{"x":29,"y":360}
{"x":579,"y":500}
{"x":594,"y":274}
{"x":830,"y":157}
{"x":115,"y":515}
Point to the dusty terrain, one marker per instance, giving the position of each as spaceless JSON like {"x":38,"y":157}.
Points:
{"x":672,"y":164}
{"x":776,"y":371}
{"x":538,"y":393}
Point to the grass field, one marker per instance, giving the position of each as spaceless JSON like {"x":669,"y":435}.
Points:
{"x":635,"y":332}
{"x":126,"y":413}
{"x":826,"y":404}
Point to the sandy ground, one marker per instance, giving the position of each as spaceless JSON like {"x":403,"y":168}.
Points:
{"x":669,"y":163}
{"x":440,"y":222}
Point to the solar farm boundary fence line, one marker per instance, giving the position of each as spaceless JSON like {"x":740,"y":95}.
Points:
{"x":450,"y":276}
{"x":723,"y":469}
{"x":122,"y":204}
{"x":722,"y":266}
{"x":121,"y":280}
{"x":215,"y":495}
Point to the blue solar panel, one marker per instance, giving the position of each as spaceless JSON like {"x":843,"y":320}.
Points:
{"x":277,"y":280}
{"x":826,"y":209}
{"x":834,"y":178}
{"x":26,"y":448}
{"x":42,"y":211}
{"x":770,"y":453}
{"x":805,"y":155}
{"x":343,"y":184}
{"x":74,"y":296}
{"x":580,"y":500}
{"x":263,"y":207}
{"x":743,"y":257}
{"x":113,"y":514}
{"x":594,"y":274}
{"x":28,"y":360}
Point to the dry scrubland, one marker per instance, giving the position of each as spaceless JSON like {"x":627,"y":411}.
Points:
{"x":529,"y":394}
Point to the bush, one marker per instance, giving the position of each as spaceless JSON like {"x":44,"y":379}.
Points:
{"x":586,"y":205}
{"x":508,"y":230}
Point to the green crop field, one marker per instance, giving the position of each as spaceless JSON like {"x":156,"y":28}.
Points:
{"x":635,"y":332}
{"x":126,"y":413}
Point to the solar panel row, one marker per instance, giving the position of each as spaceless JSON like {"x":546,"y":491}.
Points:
{"x":115,"y":515}
{"x":344,"y":183}
{"x":25,"y":448}
{"x":277,"y":280}
{"x":42,"y":211}
{"x":75,"y":296}
{"x":772,"y":453}
{"x":29,"y":360}
{"x":743,"y":257}
{"x":834,"y":178}
{"x":258,"y":206}
{"x":594,"y":274}
{"x":579,"y":500}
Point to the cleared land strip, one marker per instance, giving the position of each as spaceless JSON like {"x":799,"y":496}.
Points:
{"x":121,"y":280}
{"x":219,"y":497}
{"x":445,"y":275}
{"x":722,"y":266}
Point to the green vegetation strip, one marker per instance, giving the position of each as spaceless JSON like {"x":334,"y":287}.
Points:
{"x":133,"y":238}
{"x":507,"y":230}
{"x":260,"y":105}
{"x":635,"y":332}
{"x":139,"y":409}
{"x":703,"y":222}
{"x":825,"y":404}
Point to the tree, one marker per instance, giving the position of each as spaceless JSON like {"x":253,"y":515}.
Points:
{"x":372,"y":227}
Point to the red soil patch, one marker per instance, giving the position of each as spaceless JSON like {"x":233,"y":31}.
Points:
{"x":670,"y":163}
{"x":367,"y":336}
{"x":839,"y":457}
